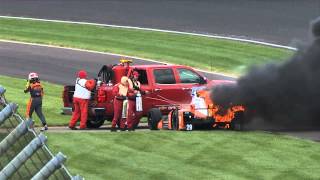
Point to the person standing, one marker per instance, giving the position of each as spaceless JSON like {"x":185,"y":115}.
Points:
{"x":134,"y":102}
{"x":120,"y":92}
{"x":35,"y":102}
{"x":81,"y":98}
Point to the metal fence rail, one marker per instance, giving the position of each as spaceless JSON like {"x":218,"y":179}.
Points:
{"x":23,"y":152}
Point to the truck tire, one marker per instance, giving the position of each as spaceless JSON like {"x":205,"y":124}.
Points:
{"x":175,"y":120}
{"x":154,"y":116}
{"x":237,"y":123}
{"x":95,"y":122}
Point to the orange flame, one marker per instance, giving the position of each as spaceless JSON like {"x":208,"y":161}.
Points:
{"x":228,"y":116}
{"x":214,"y":110}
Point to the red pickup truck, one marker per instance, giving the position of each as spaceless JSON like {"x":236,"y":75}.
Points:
{"x":168,"y":85}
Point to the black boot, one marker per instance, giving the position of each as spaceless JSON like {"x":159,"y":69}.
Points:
{"x":113,"y":129}
{"x":73,"y":128}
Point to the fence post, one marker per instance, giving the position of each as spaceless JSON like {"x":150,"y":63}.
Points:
{"x":2,"y":90}
{"x":14,"y":136}
{"x":7,"y":112}
{"x":54,"y":164}
{"x":22,"y":157}
{"x":77,"y":177}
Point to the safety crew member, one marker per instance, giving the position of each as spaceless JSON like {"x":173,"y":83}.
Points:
{"x":81,"y":99}
{"x":35,"y":102}
{"x":120,"y":92}
{"x":134,"y":113}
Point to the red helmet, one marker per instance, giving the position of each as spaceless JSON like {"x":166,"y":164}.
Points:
{"x":32,"y":75}
{"x":135,"y":73}
{"x":82,"y":74}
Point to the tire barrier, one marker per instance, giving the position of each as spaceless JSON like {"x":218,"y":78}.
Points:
{"x":23,"y":152}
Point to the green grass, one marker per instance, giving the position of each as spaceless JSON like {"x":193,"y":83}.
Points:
{"x":188,"y":155}
{"x":206,"y":53}
{"x":52,"y":102}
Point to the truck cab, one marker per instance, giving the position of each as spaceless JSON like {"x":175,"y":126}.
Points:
{"x":166,"y":86}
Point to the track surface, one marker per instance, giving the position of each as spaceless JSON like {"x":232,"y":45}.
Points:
{"x":277,"y":21}
{"x":57,"y":65}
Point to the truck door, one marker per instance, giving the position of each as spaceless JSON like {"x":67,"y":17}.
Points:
{"x":187,"y":79}
{"x":165,"y":90}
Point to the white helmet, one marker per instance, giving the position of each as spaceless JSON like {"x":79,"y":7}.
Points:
{"x":32,"y":75}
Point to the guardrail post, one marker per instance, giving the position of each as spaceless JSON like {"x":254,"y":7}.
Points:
{"x":22,"y":157}
{"x":14,"y":136}
{"x":77,"y":177}
{"x":2,"y":90}
{"x":7,"y":112}
{"x":54,"y":164}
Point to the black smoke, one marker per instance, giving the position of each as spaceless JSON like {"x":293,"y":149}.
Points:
{"x":280,"y":96}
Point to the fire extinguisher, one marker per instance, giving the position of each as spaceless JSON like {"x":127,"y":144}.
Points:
{"x":124,"y":108}
{"x":138,"y":102}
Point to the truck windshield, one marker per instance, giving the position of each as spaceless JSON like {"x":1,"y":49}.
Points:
{"x":164,"y":76}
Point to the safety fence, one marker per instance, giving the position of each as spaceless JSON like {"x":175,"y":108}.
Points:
{"x":23,"y":152}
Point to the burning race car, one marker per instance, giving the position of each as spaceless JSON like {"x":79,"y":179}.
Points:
{"x":200,"y":112}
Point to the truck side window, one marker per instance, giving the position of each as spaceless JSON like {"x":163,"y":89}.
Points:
{"x":164,"y":76}
{"x":143,"y":78}
{"x":188,"y":76}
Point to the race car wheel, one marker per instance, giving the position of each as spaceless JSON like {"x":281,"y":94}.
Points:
{"x":237,"y":122}
{"x":95,"y":122}
{"x":154,"y":116}
{"x":175,"y":120}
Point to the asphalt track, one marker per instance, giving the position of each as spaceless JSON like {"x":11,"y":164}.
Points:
{"x":284,"y":22}
{"x":58,"y":65}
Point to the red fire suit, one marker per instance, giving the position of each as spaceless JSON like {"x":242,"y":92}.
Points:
{"x":120,"y":92}
{"x":133,"y":115}
{"x":80,"y":101}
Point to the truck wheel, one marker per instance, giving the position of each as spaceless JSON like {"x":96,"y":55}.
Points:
{"x":175,"y":120}
{"x":95,"y":122}
{"x":237,"y":122}
{"x":154,"y":116}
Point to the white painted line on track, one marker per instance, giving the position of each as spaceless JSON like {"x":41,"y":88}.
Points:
{"x":106,"y":53}
{"x":157,"y":30}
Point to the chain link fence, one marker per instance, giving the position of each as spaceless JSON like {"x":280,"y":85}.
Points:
{"x":23,"y":152}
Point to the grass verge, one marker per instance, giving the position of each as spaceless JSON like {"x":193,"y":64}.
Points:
{"x":52,"y":101}
{"x":185,"y":155}
{"x":216,"y":55}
